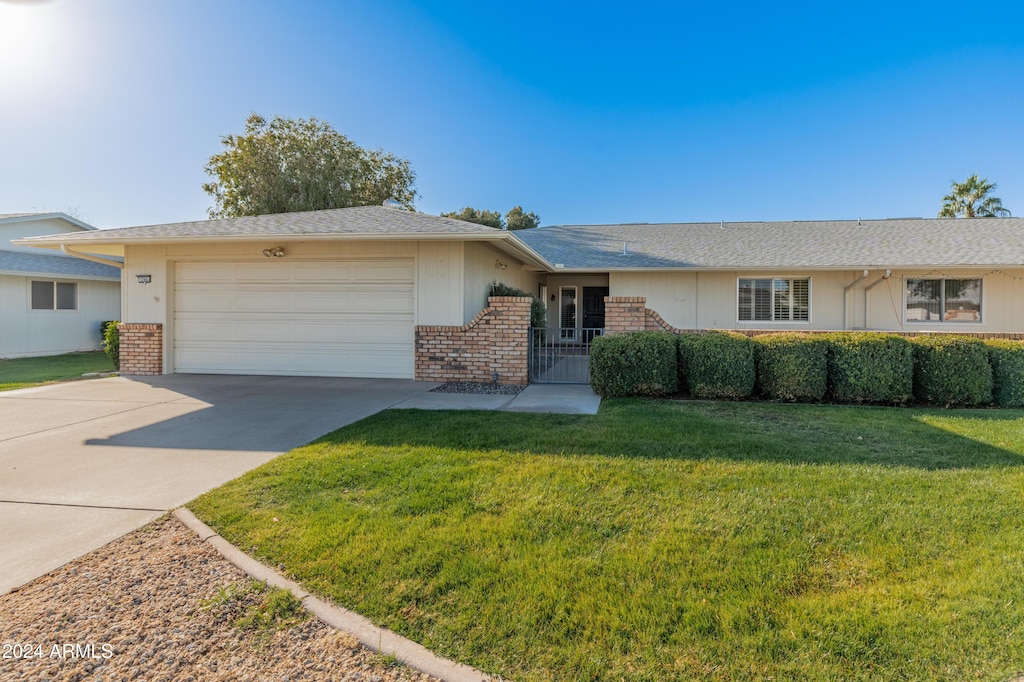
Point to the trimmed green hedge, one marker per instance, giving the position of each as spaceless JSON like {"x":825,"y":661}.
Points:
{"x":717,"y":365}
{"x":870,"y":367}
{"x":1007,"y":361}
{"x":952,"y":370}
{"x":641,"y":363}
{"x":792,"y":366}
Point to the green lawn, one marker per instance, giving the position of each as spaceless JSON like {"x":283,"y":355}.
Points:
{"x":25,"y":372}
{"x":663,"y":540}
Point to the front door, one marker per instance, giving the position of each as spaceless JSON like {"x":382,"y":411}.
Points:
{"x":593,"y":307}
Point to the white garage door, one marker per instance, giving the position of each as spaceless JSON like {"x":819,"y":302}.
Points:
{"x":350,"y":318}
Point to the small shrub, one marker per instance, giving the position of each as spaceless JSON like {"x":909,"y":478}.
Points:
{"x":112,"y":342}
{"x":717,"y":365}
{"x":951,"y":370}
{"x":641,"y":363}
{"x":1007,"y":361}
{"x":870,"y":367}
{"x":792,"y":366}
{"x":538,"y":314}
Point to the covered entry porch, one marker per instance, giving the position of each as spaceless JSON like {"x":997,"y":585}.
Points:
{"x":560,"y":351}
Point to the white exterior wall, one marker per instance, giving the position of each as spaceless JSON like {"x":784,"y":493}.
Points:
{"x":25,"y":332}
{"x":438,"y":292}
{"x":707,"y":300}
{"x":480,"y":271}
{"x":33,"y":228}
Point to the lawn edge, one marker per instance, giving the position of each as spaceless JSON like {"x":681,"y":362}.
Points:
{"x":378,"y":639}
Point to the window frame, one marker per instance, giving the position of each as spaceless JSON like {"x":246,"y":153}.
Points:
{"x":942,"y":300}
{"x":55,"y":298}
{"x":771,"y":306}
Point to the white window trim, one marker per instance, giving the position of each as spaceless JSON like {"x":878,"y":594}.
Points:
{"x":779,"y":323}
{"x":945,"y":324}
{"x":54,"y":309}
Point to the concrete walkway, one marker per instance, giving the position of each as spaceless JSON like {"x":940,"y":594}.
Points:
{"x":552,"y":398}
{"x":82,"y":463}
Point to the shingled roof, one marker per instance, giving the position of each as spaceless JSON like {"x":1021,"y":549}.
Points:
{"x":47,"y":265}
{"x":855,"y":244}
{"x":361,"y":220}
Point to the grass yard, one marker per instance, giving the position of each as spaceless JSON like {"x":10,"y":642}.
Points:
{"x":663,"y":540}
{"x":25,"y":372}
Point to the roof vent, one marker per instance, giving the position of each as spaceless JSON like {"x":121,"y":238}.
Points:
{"x":391,"y":202}
{"x":625,"y":248}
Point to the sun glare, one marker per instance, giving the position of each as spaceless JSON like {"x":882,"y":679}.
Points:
{"x":30,"y":43}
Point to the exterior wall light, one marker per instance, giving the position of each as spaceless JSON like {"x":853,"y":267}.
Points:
{"x":276,"y":252}
{"x":498,"y":265}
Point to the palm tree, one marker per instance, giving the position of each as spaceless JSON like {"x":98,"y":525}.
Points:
{"x":970,"y":199}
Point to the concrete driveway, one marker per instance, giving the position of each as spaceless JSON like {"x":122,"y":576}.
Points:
{"x":83,"y":463}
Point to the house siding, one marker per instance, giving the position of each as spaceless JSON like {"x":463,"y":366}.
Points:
{"x":707,"y":300}
{"x":480,"y":272}
{"x":438,"y":289}
{"x":25,"y":332}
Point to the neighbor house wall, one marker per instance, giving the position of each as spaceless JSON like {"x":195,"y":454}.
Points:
{"x":26,"y":332}
{"x":480,"y":271}
{"x":33,"y":228}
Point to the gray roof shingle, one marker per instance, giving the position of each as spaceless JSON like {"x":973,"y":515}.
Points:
{"x":909,"y":242}
{"x":16,"y":262}
{"x":358,"y":220}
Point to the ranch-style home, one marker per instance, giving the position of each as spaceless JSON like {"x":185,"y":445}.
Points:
{"x":51,"y":303}
{"x":382,"y":292}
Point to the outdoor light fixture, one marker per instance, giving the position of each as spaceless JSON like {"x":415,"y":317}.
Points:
{"x":498,"y":265}
{"x":144,"y":279}
{"x":276,"y":252}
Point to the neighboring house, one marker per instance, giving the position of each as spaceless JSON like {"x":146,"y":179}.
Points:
{"x":51,"y":303}
{"x":372,"y":291}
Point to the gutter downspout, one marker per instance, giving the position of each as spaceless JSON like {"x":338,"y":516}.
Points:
{"x":887,"y":275}
{"x":846,"y":290}
{"x":95,"y":259}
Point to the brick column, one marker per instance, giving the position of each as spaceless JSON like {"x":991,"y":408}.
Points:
{"x":496,"y":341}
{"x":142,"y":348}
{"x":624,"y":314}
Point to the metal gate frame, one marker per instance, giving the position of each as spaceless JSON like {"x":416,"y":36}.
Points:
{"x":560,"y":355}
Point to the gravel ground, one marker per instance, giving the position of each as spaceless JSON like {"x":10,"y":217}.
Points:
{"x":151,"y":606}
{"x":477,"y":387}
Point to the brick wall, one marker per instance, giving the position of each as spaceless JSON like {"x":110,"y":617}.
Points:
{"x":142,"y":348}
{"x":497,"y":340}
{"x":624,"y":314}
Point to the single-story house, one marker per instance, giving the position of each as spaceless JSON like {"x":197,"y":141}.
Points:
{"x":51,"y":303}
{"x":382,"y":292}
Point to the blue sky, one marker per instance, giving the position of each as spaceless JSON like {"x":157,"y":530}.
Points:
{"x":582,"y":112}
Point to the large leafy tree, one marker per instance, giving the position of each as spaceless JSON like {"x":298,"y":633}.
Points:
{"x":972,"y":199}
{"x":289,"y":165}
{"x":515,"y":219}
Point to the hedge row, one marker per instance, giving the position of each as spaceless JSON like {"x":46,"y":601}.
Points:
{"x":847,"y":367}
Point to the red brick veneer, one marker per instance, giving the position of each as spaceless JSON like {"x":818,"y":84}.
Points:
{"x":497,"y":340}
{"x":142,"y":348}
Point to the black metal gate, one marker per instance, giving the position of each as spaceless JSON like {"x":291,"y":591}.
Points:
{"x":561,"y":355}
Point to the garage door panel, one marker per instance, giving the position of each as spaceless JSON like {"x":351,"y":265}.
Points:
{"x":346,"y":318}
{"x":384,"y":271}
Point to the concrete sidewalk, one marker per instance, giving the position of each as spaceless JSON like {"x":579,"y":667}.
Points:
{"x":552,"y":398}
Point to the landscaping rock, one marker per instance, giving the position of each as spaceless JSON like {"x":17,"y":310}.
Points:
{"x":140,"y":608}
